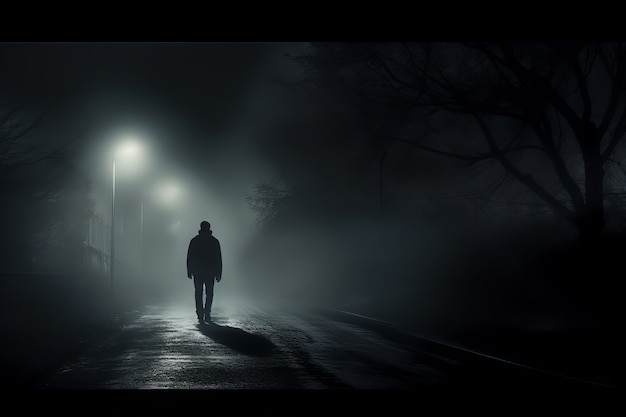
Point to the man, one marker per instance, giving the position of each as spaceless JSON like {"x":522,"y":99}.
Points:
{"x":204,"y":265}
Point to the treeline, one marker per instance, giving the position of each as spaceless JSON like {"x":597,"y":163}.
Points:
{"x":516,"y":141}
{"x":45,"y":205}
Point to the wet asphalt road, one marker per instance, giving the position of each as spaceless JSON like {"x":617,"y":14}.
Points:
{"x":245,"y":348}
{"x":272,"y":361}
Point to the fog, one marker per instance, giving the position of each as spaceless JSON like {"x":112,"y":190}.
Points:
{"x":188,"y":169}
{"x":349,"y":226}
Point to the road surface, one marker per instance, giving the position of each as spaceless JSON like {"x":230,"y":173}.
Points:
{"x":273,"y":361}
{"x":165,"y":347}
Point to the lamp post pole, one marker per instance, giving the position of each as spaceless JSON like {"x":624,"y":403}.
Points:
{"x":124,"y":150}
{"x":141,"y":255}
{"x":113,"y":229}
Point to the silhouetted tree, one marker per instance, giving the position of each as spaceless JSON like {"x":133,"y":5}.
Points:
{"x":45,"y":203}
{"x":551,"y":114}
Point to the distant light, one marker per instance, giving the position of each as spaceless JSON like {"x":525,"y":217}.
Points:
{"x":168,"y":193}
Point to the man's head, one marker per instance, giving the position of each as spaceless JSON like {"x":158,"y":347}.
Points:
{"x":204,"y":225}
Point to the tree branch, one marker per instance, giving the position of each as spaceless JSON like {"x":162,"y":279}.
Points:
{"x":542,"y":85}
{"x":524,"y":178}
{"x":468,"y":158}
{"x":544,"y":134}
{"x":617,"y":89}
{"x":582,"y":87}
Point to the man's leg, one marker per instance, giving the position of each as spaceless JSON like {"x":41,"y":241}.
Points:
{"x":198,"y":283}
{"x":209,"y":298}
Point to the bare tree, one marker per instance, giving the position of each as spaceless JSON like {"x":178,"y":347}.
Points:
{"x":44,"y":198}
{"x":552,"y":115}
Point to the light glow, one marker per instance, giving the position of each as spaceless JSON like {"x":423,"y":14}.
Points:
{"x":168,"y":193}
{"x":130,"y":156}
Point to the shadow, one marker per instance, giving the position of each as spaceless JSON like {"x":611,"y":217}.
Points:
{"x":238,"y":339}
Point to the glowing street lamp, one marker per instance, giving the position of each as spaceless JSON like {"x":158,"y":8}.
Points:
{"x":167,"y":193}
{"x":128,"y":150}
{"x":164,"y":194}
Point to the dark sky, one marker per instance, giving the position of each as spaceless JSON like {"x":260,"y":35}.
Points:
{"x":191,"y":97}
{"x":204,"y":83}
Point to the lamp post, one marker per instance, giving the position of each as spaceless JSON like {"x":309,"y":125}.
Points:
{"x":166,"y":200}
{"x":141,"y":255}
{"x":126,"y":149}
{"x":164,"y":195}
{"x":112,"y":268}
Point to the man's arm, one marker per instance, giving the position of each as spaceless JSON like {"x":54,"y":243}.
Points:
{"x":189,"y":255}
{"x":218,"y":278}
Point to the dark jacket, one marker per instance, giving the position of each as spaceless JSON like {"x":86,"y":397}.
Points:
{"x":204,"y":256}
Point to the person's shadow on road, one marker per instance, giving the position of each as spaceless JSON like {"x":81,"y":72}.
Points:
{"x":238,"y":339}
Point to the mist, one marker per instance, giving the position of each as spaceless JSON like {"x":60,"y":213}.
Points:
{"x":323,"y":170}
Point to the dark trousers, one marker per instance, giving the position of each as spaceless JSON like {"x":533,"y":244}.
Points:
{"x":203,"y":284}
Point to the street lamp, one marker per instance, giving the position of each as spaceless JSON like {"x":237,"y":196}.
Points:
{"x":128,"y":148}
{"x":167,"y":193}
{"x":164,"y":203}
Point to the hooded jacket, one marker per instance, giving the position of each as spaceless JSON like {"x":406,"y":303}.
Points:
{"x":204,"y":256}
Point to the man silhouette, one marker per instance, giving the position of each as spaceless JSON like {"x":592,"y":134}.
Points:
{"x":204,"y":265}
